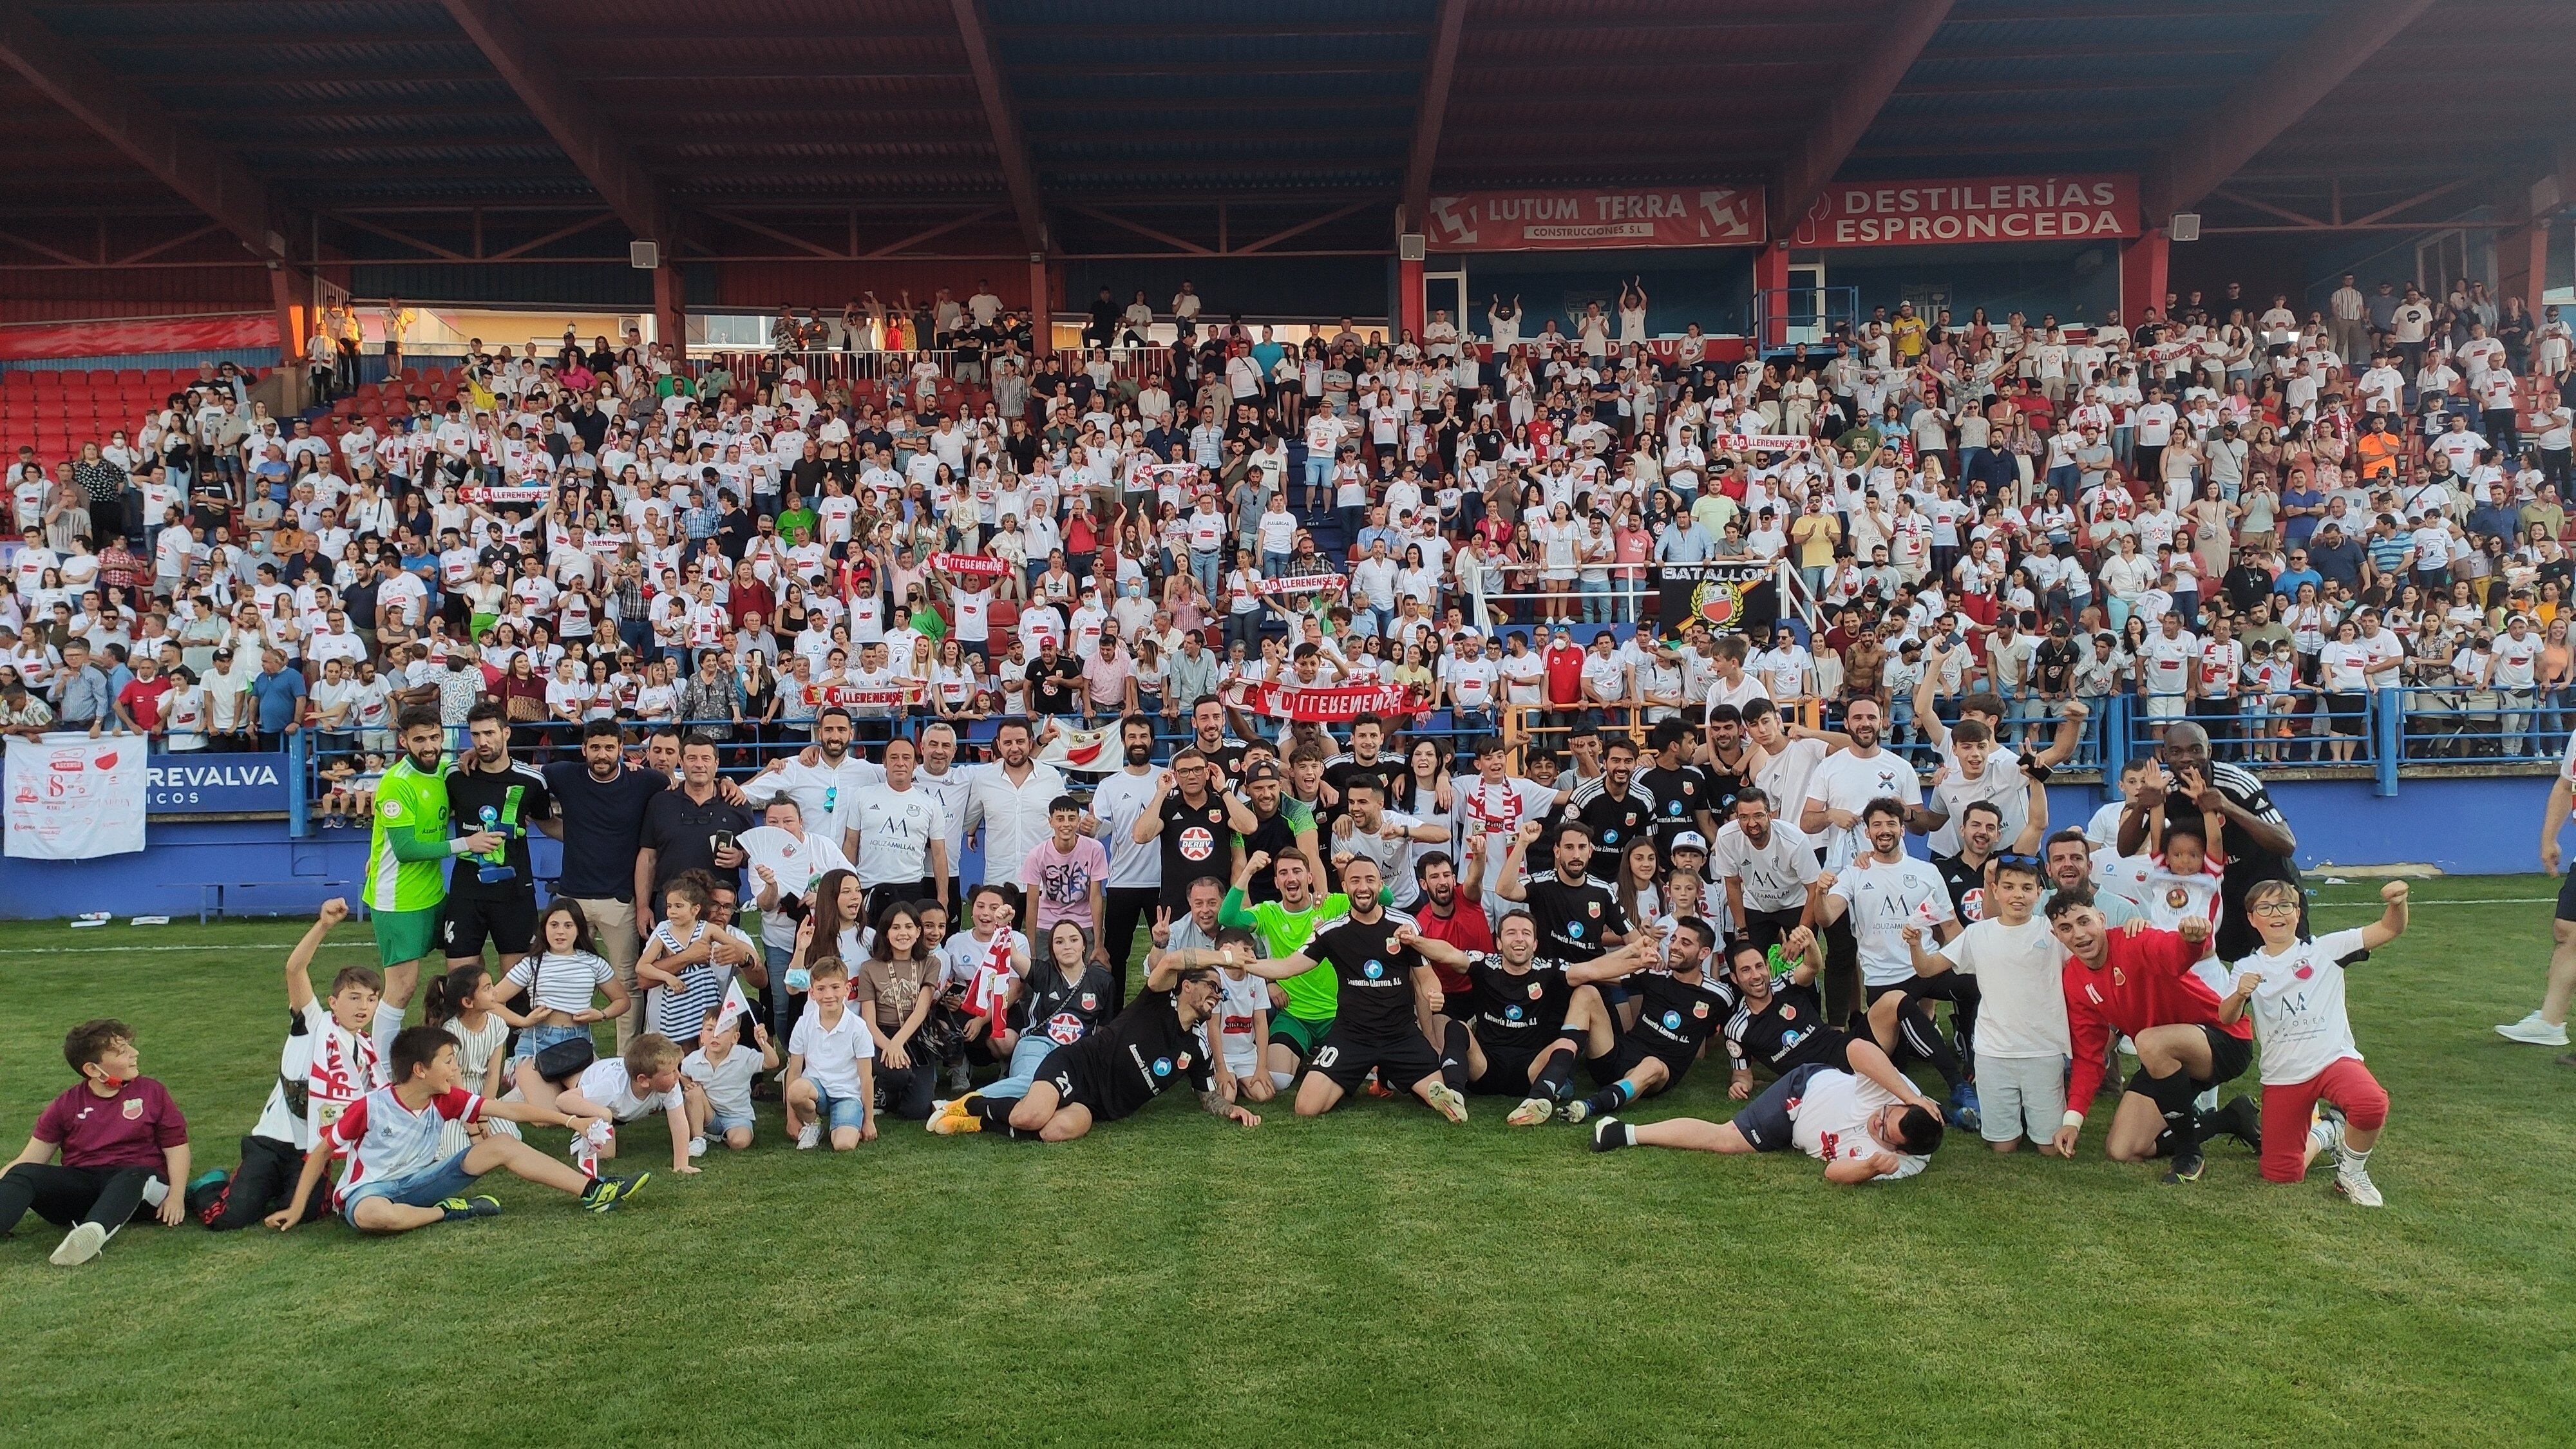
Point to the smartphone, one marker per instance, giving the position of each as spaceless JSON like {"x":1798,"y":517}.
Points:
{"x":721,"y":840}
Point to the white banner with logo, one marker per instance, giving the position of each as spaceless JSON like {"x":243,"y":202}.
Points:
{"x":75,"y":798}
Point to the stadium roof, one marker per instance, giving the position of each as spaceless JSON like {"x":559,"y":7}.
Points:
{"x":836,"y":131}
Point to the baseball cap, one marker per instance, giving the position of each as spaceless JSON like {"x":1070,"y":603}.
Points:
{"x":1691,"y":840}
{"x":1262,"y":771}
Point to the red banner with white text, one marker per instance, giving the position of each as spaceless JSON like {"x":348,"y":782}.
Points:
{"x":1330,"y":704}
{"x":1970,"y":209}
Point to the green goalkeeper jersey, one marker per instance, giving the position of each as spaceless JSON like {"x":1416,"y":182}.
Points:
{"x":408,"y":845}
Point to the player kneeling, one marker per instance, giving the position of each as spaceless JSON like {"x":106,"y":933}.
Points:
{"x":1863,"y":1124}
{"x":396,"y":1182}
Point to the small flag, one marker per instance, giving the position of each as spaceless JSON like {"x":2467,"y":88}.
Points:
{"x":736,"y":1004}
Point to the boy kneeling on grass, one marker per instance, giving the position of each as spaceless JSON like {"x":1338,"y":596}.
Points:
{"x":124,"y":1147}
{"x":721,"y":1072}
{"x":395,"y":1181}
{"x":630,"y":1088}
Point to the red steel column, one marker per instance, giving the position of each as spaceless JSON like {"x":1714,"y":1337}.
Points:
{"x":2142,"y":276}
{"x":671,"y":306}
{"x":1770,"y":289}
{"x":1408,"y":298}
{"x":1041,"y":307}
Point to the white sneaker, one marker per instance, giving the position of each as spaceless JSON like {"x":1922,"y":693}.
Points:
{"x":697,"y":1147}
{"x":809,"y":1136}
{"x":2352,"y":1179}
{"x":80,"y":1245}
{"x":2535,"y":1031}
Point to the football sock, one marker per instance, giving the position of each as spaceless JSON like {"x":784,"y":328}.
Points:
{"x":1557,"y":1076}
{"x":1453,"y":1055}
{"x":1915,"y":1030}
{"x":1612,"y":1097}
{"x":995,"y":1111}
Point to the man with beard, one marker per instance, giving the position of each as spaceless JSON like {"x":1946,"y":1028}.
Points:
{"x":1613,"y":803}
{"x":1844,"y":783}
{"x":2258,"y":843}
{"x":1011,"y":798}
{"x":1883,"y":894}
{"x":1779,"y":1020}
{"x":493,"y":896}
{"x":1769,"y":868}
{"x":1682,"y":1006}
{"x":1135,"y":884}
{"x":1578,"y":918}
{"x":1305,"y":1004}
{"x":1512,"y":1010}
{"x":2072,"y":865}
{"x":1681,"y":795}
{"x":1223,"y":753}
{"x":1271,"y":832}
{"x":1448,"y":909}
{"x":405,"y":847}
{"x":824,"y":779}
{"x":1368,"y":828}
{"x":1366,"y":761}
{"x":600,"y":802}
{"x":1381,"y":967}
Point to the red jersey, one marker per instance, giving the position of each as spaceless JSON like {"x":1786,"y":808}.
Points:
{"x":1564,"y":674}
{"x":101,"y":1134}
{"x":2144,"y":980}
{"x":1465,"y":928}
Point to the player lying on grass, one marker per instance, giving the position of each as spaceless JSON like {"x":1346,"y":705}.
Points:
{"x":395,"y":1181}
{"x":123,"y":1145}
{"x":1113,"y":1072}
{"x":1385,"y":989}
{"x":2295,"y":989}
{"x":1862,"y":1124}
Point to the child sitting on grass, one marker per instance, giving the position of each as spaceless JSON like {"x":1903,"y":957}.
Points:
{"x":678,"y":965}
{"x":123,"y":1145}
{"x":329,"y":1062}
{"x":631,"y":1087}
{"x":831,"y":1062}
{"x":395,"y":1180}
{"x":723,"y":1073}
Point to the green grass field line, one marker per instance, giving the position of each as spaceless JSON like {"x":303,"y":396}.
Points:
{"x":1373,"y":1277}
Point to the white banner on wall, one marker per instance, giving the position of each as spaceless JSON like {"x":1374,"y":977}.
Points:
{"x":75,"y":798}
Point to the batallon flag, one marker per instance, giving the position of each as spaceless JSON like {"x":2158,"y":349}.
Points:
{"x":481,"y":494}
{"x":1762,"y":442}
{"x":1093,"y":752}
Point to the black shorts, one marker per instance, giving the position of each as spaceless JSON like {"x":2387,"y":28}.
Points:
{"x":2229,"y":1056}
{"x":1507,"y":1073}
{"x":1765,"y":1120}
{"x":2567,"y":897}
{"x":1633,"y":1049}
{"x":1062,"y":1070}
{"x":1400,"y":1058}
{"x":1769,"y":928}
{"x":466,"y":922}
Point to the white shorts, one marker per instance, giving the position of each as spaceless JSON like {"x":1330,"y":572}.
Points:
{"x":2166,"y":706}
{"x":2020,"y":1097}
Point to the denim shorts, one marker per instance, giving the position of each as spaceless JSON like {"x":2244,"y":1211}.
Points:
{"x":718,"y":1124}
{"x":426,"y":1188}
{"x":840,"y":1112}
{"x":537,"y":1038}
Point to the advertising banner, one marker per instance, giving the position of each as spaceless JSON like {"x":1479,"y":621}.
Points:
{"x":75,"y":798}
{"x":1971,"y":209}
{"x":1589,"y":219}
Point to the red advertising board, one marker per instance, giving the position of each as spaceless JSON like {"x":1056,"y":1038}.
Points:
{"x":1590,"y":220}
{"x":1970,"y":209}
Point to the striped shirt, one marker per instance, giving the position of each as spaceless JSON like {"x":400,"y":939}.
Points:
{"x":560,"y":981}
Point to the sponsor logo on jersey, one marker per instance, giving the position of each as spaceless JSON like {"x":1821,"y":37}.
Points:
{"x":1197,"y":844}
{"x":1162,"y":1066}
{"x":1511,"y":1013}
{"x":1672,"y":1021}
{"x":1373,"y":970}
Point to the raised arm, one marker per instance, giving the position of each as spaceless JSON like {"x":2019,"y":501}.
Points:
{"x":299,"y":962}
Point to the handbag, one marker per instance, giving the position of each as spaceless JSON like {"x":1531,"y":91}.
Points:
{"x":524,"y":709}
{"x":565,"y":1059}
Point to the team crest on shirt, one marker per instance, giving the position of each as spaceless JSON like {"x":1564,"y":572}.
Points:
{"x":1788,"y":1012}
{"x":1184,"y":1062}
{"x":1972,"y":906}
{"x":1593,"y":908}
{"x":1700,"y":1009}
{"x":133,"y":1108}
{"x":2177,"y":898}
{"x":1535,"y":990}
{"x":1197,"y":844}
{"x":1393,"y":945}
{"x":1090,"y":1001}
{"x":2116,"y":979}
{"x":2304,"y":972}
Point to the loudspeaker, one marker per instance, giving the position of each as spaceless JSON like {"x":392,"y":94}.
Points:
{"x":1412,"y":246}
{"x":2185,"y":226}
{"x":644,"y":256}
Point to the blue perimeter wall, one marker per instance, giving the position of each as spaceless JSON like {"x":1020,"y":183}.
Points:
{"x":2461,"y":827}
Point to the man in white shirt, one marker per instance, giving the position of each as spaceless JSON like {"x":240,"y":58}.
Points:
{"x":898,"y":835}
{"x":825,"y":791}
{"x":1891,"y":901}
{"x":2168,"y":662}
{"x":2511,"y":673}
{"x":1009,"y":798}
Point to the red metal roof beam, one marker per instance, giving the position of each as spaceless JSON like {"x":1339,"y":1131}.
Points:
{"x":211,"y":178}
{"x":1018,"y":177}
{"x":2258,"y":110}
{"x":624,"y":186}
{"x":1901,"y":37}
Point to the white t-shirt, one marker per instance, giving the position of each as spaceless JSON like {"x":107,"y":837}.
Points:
{"x":2298,"y":1007}
{"x":832,"y":1054}
{"x":1238,"y":998}
{"x":1776,"y":874}
{"x":1848,"y":781}
{"x":609,"y":1084}
{"x":2022,"y":1010}
{"x":728,"y":1082}
{"x":895,"y":831}
{"x":2001,"y":784}
{"x":796,"y":862}
{"x":1830,"y":1122}
{"x":1884,"y":898}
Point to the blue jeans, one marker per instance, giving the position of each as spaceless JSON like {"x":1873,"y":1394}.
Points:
{"x":1319,"y":469}
{"x":1595,"y":594}
{"x":426,"y":1188}
{"x":1026,"y":1053}
{"x":1207,"y":566}
{"x":1273,"y":565}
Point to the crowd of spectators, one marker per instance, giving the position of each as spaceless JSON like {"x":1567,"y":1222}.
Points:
{"x":2232,"y":511}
